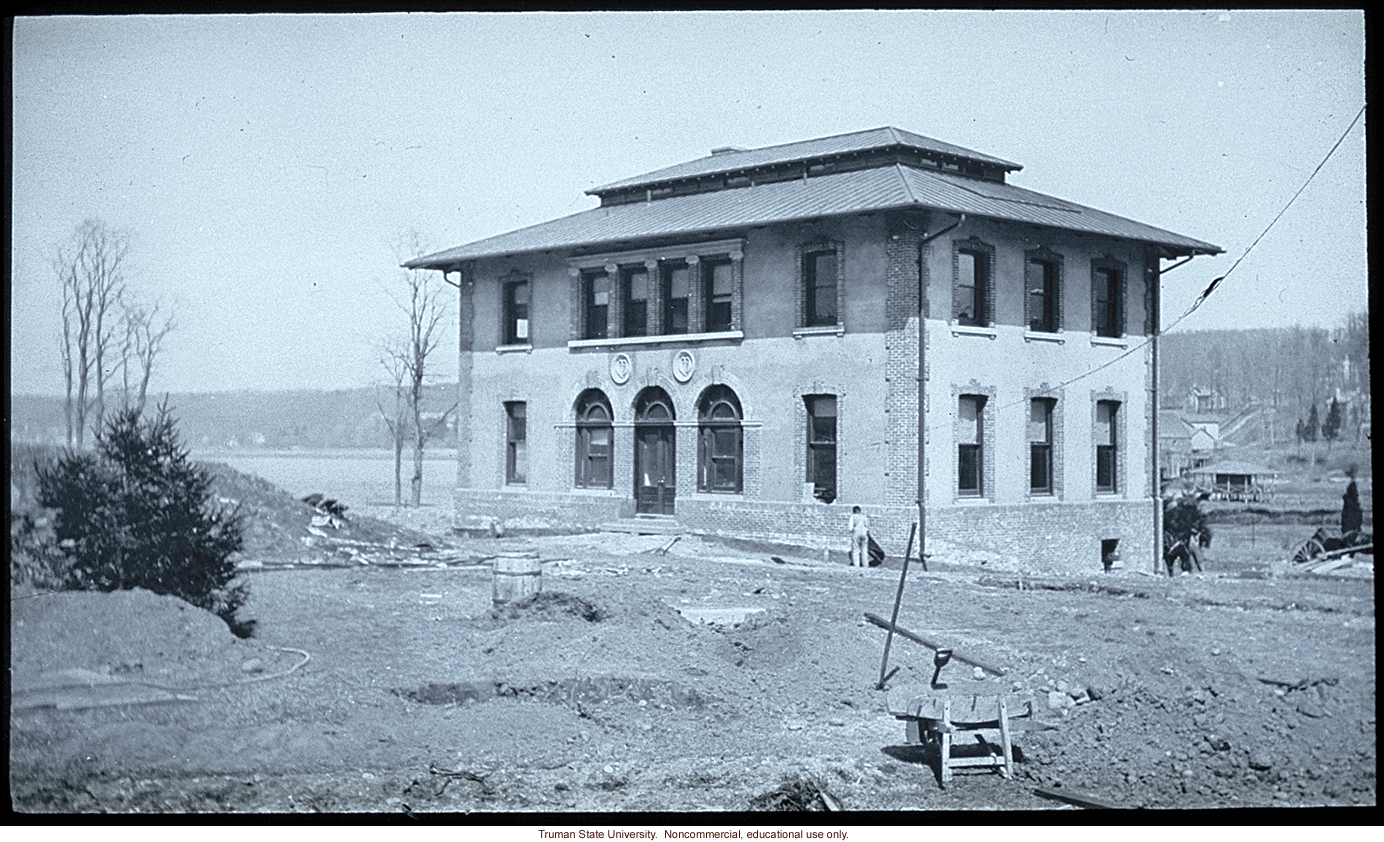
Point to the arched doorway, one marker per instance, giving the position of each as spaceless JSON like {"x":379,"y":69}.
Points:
{"x":655,"y":453}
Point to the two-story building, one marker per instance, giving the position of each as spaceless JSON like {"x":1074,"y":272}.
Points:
{"x":733,"y":343}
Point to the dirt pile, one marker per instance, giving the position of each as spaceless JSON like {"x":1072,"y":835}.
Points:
{"x":709,"y":682}
{"x":133,"y":636}
{"x":280,"y":527}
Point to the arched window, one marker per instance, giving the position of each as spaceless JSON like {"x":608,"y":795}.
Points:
{"x":720,"y":442}
{"x":595,"y":437}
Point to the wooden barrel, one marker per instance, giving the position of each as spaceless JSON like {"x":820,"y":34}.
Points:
{"x":516,"y":577}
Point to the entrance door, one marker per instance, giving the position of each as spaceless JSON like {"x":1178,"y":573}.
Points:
{"x":655,"y":454}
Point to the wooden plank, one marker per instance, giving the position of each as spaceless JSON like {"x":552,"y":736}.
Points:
{"x":1076,"y":798}
{"x":1328,"y":566}
{"x":965,"y":708}
{"x":916,"y":638}
{"x":963,"y":762}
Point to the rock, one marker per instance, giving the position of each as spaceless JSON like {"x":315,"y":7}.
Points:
{"x":1259,"y":760}
{"x":978,"y":674}
{"x":1062,"y":686}
{"x":1056,"y":700}
{"x":1076,"y":691}
{"x":252,"y":665}
{"x":1096,"y":692}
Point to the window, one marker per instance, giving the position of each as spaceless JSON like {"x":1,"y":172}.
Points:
{"x":1040,"y":445}
{"x":595,"y":295}
{"x":970,"y":445}
{"x":516,"y":444}
{"x":1107,"y":413}
{"x":677,"y":291}
{"x":516,"y":312}
{"x":595,"y":435}
{"x":820,"y":269}
{"x":972,"y":298}
{"x":1041,"y":282}
{"x":634,"y":300}
{"x":720,"y":442}
{"x":1107,"y":293}
{"x":645,"y":295}
{"x":821,"y":445}
{"x":719,"y":278}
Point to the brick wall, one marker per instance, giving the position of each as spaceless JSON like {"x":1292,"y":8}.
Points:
{"x":870,"y":364}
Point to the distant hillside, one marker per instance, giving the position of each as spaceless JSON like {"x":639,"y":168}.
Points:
{"x":270,"y":420}
{"x":1282,"y":371}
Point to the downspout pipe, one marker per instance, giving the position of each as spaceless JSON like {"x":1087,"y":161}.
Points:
{"x":1155,"y":323}
{"x":922,"y":392}
{"x":1156,"y":285}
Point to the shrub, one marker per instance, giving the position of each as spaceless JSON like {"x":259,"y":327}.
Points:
{"x":137,"y":514}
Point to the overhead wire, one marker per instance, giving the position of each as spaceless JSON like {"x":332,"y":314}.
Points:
{"x":1215,"y":282}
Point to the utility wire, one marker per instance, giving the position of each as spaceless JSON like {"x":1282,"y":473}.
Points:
{"x":1215,"y":282}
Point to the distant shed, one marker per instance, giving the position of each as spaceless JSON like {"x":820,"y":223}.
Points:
{"x":1240,"y":481}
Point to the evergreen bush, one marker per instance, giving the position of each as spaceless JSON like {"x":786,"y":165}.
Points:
{"x":137,"y":513}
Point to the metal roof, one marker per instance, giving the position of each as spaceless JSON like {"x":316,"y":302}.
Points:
{"x":885,"y":188}
{"x":843,"y":144}
{"x":1232,"y":468}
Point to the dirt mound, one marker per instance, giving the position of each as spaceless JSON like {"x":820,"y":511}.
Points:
{"x":765,"y":640}
{"x":135,"y":634}
{"x":548,"y":605}
{"x":279,"y":525}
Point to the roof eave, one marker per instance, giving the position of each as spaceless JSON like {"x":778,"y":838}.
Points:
{"x":441,"y":262}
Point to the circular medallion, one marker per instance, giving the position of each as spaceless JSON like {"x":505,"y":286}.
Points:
{"x":683,"y":365}
{"x":620,"y":369}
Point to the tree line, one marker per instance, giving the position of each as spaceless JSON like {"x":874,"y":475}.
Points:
{"x":1297,"y":371}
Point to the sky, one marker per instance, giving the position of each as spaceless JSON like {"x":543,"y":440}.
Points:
{"x":267,"y":167}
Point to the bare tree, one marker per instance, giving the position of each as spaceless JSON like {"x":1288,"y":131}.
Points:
{"x":393,"y":357}
{"x":145,"y":332}
{"x":426,"y":307}
{"x":91,"y":271}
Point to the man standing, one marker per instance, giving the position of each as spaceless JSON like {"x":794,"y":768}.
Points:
{"x":860,"y":538}
{"x":1352,"y":519}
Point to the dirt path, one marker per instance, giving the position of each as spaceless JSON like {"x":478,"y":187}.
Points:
{"x":608,"y":695}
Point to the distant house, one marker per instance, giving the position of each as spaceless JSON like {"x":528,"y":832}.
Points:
{"x":732,"y":345}
{"x":1174,"y":445}
{"x":1204,"y":438}
{"x":1203,"y":400}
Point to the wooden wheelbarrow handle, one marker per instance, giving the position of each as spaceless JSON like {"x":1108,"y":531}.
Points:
{"x":916,"y":638}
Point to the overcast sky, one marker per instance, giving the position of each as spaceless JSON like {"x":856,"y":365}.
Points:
{"x":266,"y":166}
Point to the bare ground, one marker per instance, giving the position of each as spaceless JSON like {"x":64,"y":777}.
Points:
{"x":400,"y":689}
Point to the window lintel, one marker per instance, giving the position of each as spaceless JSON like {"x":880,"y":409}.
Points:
{"x":735,"y":248}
